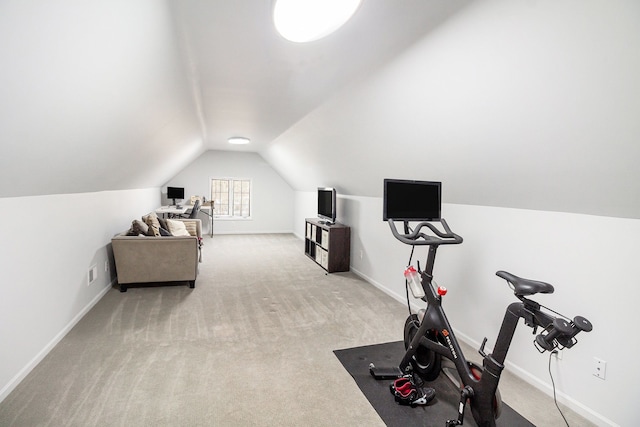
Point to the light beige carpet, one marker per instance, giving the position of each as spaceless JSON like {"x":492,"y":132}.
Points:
{"x":251,"y":345}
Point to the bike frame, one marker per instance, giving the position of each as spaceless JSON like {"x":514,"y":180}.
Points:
{"x":434,"y":333}
{"x":483,"y":389}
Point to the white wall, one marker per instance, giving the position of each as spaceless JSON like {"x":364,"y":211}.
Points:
{"x":48,"y":245}
{"x":272,"y":197}
{"x":590,"y":260}
{"x":512,"y":103}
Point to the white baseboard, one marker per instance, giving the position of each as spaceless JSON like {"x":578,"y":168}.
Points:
{"x":568,"y":401}
{"x":397,"y":297}
{"x":233,"y":232}
{"x":13,"y":383}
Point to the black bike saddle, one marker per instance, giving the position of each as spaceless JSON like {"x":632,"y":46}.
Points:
{"x":523,"y":287}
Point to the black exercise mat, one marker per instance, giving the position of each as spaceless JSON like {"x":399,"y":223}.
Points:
{"x":436,"y":413}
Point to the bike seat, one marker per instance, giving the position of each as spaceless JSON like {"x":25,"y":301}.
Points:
{"x":523,"y":287}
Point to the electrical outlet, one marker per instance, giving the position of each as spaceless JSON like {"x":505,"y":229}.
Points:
{"x":599,"y":368}
{"x":106,"y":266}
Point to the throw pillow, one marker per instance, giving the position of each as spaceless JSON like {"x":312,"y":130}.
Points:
{"x":177,"y":228}
{"x":154,"y":225}
{"x":154,"y":230}
{"x":165,"y":232}
{"x":138,"y":227}
{"x":191,"y":227}
{"x":163,"y":223}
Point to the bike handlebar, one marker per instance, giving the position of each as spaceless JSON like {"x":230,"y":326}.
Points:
{"x":563,"y":333}
{"x":415,"y":237}
{"x":558,"y":330}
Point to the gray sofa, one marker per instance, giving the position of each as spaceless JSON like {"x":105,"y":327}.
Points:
{"x":149,"y":258}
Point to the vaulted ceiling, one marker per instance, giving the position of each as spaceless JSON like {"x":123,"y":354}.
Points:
{"x":250,"y":81}
{"x":510,"y":103}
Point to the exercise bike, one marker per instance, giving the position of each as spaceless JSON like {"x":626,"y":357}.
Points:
{"x":428,"y":336}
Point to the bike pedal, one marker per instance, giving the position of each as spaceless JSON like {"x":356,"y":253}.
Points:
{"x":385,"y":373}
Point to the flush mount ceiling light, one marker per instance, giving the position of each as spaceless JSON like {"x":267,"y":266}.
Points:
{"x":308,"y":20}
{"x":238,"y":140}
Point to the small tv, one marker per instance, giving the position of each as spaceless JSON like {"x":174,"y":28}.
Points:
{"x":175,"y":193}
{"x":327,"y":204}
{"x":407,"y":200}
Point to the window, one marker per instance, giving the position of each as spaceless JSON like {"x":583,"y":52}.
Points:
{"x":232,"y":197}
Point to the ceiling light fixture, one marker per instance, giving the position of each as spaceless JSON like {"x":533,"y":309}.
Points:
{"x":308,"y":20}
{"x":238,"y":140}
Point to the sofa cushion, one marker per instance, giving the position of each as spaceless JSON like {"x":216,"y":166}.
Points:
{"x":177,"y":228}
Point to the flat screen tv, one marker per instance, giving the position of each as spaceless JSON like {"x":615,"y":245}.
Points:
{"x":175,"y":193}
{"x":406,"y":200}
{"x":327,"y":204}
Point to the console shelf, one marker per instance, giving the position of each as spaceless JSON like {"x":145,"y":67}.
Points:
{"x":328,"y":245}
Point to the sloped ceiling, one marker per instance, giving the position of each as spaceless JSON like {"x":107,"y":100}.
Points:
{"x":115,"y":94}
{"x":252,"y":82}
{"x":519,"y":104}
{"x":93,"y":96}
{"x":510,"y":103}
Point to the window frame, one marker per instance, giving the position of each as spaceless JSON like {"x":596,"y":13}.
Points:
{"x":230,"y":216}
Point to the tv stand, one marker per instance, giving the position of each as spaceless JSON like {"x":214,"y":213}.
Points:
{"x":328,"y":244}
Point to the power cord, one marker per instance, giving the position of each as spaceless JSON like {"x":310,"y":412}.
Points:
{"x":554,"y":388}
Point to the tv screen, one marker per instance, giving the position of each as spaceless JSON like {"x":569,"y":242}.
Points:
{"x":327,"y":203}
{"x":175,"y":193}
{"x":407,"y":200}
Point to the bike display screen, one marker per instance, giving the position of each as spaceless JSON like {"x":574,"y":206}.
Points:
{"x":406,"y":200}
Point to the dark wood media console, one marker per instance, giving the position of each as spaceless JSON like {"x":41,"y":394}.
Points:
{"x":328,"y":245}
